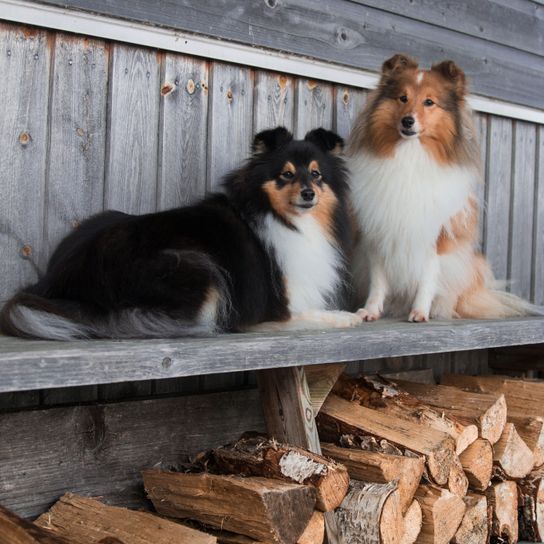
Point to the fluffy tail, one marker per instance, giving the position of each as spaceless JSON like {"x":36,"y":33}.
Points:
{"x":32,"y":316}
{"x":486,"y":299}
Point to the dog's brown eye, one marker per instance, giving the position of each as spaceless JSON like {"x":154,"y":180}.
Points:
{"x":315,"y":173}
{"x":428,"y":102}
{"x":287,"y":174}
{"x":403,"y":98}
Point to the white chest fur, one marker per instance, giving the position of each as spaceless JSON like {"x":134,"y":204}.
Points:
{"x":401,"y":203}
{"x":310,"y":264}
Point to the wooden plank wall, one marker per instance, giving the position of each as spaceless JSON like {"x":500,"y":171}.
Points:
{"x":89,"y":125}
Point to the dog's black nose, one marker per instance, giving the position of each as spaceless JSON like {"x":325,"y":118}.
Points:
{"x":307,"y":194}
{"x":408,"y":121}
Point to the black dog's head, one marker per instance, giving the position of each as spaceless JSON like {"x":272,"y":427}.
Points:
{"x":292,"y":177}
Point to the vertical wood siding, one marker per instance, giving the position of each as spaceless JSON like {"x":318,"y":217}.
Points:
{"x":88,"y":125}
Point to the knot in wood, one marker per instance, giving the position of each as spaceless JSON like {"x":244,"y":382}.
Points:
{"x":345,"y":97}
{"x":167,"y":89}
{"x":190,"y":86}
{"x":166,"y":362}
{"x":229,"y":95}
{"x":26,"y":251}
{"x":312,"y":84}
{"x":24,"y":138}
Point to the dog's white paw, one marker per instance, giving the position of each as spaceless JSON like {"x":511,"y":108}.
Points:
{"x":418,"y":316}
{"x":369,"y":313}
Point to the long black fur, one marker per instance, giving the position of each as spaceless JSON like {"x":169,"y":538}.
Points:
{"x":121,"y":275}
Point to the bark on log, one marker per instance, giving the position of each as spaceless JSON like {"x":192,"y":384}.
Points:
{"x":16,"y":530}
{"x":370,"y":514}
{"x":279,"y":511}
{"x":82,"y":520}
{"x":442,"y":514}
{"x":474,"y":528}
{"x":486,"y":410}
{"x":531,"y":507}
{"x":525,"y":400}
{"x":413,"y":520}
{"x":258,"y":456}
{"x":457,"y":481}
{"x":339,"y":416}
{"x":380,"y":468}
{"x":512,"y":457}
{"x":477,"y":462}
{"x":503,"y":499}
{"x":382,"y":395}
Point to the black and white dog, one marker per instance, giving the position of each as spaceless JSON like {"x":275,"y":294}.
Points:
{"x":271,"y":249}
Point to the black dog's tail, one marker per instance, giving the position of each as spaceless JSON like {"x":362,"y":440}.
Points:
{"x":32,"y":316}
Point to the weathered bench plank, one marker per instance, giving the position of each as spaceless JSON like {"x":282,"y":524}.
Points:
{"x":26,"y":364}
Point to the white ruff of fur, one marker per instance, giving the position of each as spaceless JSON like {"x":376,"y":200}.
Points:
{"x":309,"y":262}
{"x":402,"y":203}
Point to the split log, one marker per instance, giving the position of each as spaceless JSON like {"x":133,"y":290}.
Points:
{"x":425,"y":375}
{"x":477,"y":462}
{"x":280,"y":511}
{"x":82,"y":520}
{"x":413,"y":520}
{"x":525,"y":400}
{"x":474,"y":528}
{"x":457,"y":481}
{"x":382,"y":395}
{"x":486,"y":410}
{"x":531,"y":507}
{"x":321,"y":379}
{"x":16,"y":530}
{"x":503,"y":499}
{"x":372,"y":510}
{"x":258,"y":456}
{"x":339,"y":416}
{"x":442,"y":514}
{"x":315,"y":530}
{"x":512,"y":457}
{"x":370,"y":466}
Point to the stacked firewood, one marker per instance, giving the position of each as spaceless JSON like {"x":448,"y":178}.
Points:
{"x":479,"y":440}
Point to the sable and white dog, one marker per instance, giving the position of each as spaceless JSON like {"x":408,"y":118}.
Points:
{"x":414,"y":162}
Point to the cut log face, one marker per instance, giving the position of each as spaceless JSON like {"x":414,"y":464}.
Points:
{"x":457,"y":481}
{"x":442,"y":514}
{"x":477,"y":463}
{"x":486,"y":410}
{"x":315,"y":530}
{"x":413,"y":520}
{"x":512,"y":456}
{"x":16,"y":530}
{"x":531,"y":507}
{"x":82,"y":520}
{"x":474,"y":528}
{"x":531,"y":431}
{"x":503,"y":498}
{"x":265,"y":509}
{"x":321,"y":379}
{"x":258,"y":456}
{"x":372,"y":510}
{"x":381,"y":468}
{"x":382,"y":395}
{"x":339,"y":416}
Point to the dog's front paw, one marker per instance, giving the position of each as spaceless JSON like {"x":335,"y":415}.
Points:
{"x":347,"y":319}
{"x":369,"y":313}
{"x":418,"y":316}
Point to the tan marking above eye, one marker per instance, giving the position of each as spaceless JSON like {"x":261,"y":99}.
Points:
{"x":289,"y":167}
{"x":314,"y":165}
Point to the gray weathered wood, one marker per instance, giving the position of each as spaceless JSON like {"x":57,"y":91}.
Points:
{"x":314,"y":106}
{"x":522,"y":202}
{"x":133,"y":119}
{"x":497,"y":213}
{"x":100,"y":450}
{"x":184,"y":131}
{"x":538,"y":233}
{"x":75,"y":181}
{"x":480,"y":122}
{"x":351,"y":33}
{"x":26,"y":364}
{"x":274,"y":101}
{"x":349,"y":102}
{"x":231,"y":126}
{"x":25,"y":56}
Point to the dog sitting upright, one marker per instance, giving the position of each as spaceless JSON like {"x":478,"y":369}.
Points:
{"x":272,"y":249}
{"x":414,"y":163}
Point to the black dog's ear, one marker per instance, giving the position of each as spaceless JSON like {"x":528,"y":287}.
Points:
{"x":270,"y":140}
{"x":327,"y":140}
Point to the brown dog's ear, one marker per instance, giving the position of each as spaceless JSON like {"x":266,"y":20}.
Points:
{"x":397,"y":63}
{"x":451,"y":72}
